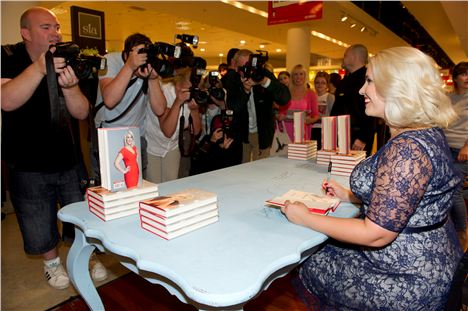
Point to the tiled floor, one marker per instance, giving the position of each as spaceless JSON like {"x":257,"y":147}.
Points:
{"x":23,"y":284}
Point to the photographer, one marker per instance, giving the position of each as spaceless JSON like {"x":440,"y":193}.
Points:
{"x":251,"y":97}
{"x":214,"y":150}
{"x":127,"y":87}
{"x":163,"y":133}
{"x":41,"y":154}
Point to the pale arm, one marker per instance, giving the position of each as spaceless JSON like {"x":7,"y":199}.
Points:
{"x":113,"y":89}
{"x":77,"y":103}
{"x":169,"y":120}
{"x":117,"y":165}
{"x":156,"y":97}
{"x":463,"y":154}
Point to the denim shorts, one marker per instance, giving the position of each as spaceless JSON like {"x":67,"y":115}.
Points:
{"x":35,"y":197}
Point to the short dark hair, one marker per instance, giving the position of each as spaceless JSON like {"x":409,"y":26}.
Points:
{"x":459,"y":69}
{"x":134,"y":40}
{"x":335,"y":79}
{"x":230,"y":55}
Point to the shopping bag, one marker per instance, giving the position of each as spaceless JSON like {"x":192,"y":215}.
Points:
{"x":280,"y":140}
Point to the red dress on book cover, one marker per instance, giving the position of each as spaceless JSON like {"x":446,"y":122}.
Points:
{"x":130,"y":159}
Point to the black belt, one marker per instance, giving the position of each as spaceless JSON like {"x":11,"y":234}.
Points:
{"x":425,"y":228}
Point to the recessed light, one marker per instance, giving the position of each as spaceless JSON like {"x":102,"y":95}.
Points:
{"x":278,"y":50}
{"x":220,"y":54}
{"x":202,"y":50}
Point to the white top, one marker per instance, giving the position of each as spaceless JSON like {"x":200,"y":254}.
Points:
{"x":252,"y":114}
{"x":457,"y":133}
{"x":158,"y":144}
{"x":136,"y":116}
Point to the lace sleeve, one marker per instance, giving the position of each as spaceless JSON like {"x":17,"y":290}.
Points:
{"x":402,"y":176}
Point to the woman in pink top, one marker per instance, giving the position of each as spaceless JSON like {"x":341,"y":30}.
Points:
{"x":302,"y":99}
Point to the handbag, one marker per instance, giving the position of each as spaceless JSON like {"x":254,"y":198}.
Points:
{"x":280,"y":140}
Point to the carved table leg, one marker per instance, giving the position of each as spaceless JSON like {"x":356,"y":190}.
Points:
{"x":77,"y":265}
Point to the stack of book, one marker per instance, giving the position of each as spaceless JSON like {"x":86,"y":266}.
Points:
{"x":343,"y":164}
{"x":303,"y":151}
{"x":317,"y":204}
{"x":324,"y":156}
{"x":109,"y":205}
{"x":178,"y":213}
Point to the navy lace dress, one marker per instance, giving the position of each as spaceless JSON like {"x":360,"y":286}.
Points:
{"x":407,"y":183}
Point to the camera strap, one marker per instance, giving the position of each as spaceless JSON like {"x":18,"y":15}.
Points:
{"x":58,"y":111}
{"x":183,"y":140}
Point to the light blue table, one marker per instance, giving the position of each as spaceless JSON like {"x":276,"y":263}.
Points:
{"x":223,"y":265}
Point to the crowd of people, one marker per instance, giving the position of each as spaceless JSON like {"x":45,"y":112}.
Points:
{"x":400,"y":254}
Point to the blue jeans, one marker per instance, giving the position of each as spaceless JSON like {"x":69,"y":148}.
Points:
{"x":458,"y":211}
{"x":35,"y":197}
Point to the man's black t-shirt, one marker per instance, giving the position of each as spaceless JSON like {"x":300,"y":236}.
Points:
{"x":29,"y":141}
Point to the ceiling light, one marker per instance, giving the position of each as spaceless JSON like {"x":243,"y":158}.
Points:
{"x":363,"y":28}
{"x":262,"y":46}
{"x":247,"y":8}
{"x":278,"y":50}
{"x":202,"y":50}
{"x":344,"y":18}
{"x":220,"y":54}
{"x":327,"y":38}
{"x":352,"y":25}
{"x":242,"y":42}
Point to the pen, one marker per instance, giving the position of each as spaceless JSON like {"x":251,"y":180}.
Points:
{"x":328,"y":175}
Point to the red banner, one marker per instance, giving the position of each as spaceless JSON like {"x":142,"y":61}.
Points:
{"x":280,"y":12}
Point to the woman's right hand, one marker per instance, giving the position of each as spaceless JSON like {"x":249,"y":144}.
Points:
{"x":333,"y":189}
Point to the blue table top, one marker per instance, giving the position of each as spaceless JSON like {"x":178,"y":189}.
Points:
{"x":225,"y":263}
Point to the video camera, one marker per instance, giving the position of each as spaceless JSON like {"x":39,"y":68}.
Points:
{"x":157,"y":57}
{"x":82,"y":65}
{"x":255,"y":67}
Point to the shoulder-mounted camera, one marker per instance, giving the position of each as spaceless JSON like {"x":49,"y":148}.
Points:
{"x":255,"y":67}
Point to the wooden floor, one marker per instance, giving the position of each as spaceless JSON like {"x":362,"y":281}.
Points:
{"x":131,"y":292}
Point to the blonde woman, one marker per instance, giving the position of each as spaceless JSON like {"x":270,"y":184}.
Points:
{"x":302,"y":99}
{"x":401,"y":254}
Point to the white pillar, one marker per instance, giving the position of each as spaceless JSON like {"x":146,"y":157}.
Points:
{"x":298,"y":48}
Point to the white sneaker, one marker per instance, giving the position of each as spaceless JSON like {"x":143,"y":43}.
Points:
{"x":56,"y":276}
{"x":97,"y":270}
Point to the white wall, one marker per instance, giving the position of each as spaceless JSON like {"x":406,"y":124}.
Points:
{"x":11,"y":13}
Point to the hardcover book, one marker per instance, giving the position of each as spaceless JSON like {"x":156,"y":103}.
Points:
{"x":154,"y":222}
{"x":120,"y":158}
{"x":176,"y":233}
{"x":168,"y":221}
{"x":105,"y":217}
{"x":108,"y":198}
{"x":179,"y":202}
{"x":318,"y":204}
{"x":344,"y":134}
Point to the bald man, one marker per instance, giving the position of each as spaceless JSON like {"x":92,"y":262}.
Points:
{"x":349,"y":101}
{"x":41,"y":155}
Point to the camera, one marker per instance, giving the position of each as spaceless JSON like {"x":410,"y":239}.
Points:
{"x":157,"y":57}
{"x":214,"y":90}
{"x":82,"y":65}
{"x":201,"y":97}
{"x":227,"y":116}
{"x":190,"y":39}
{"x":255,"y":67}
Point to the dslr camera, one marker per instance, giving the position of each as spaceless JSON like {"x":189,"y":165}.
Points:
{"x":214,"y":90}
{"x":158,"y":54}
{"x":227,"y":116}
{"x":83,"y":65}
{"x":255,"y":67}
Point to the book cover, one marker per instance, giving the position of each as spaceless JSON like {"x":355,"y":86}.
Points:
{"x":179,"y":202}
{"x":329,"y":134}
{"x":179,"y":232}
{"x":120,"y":158}
{"x":299,"y":126}
{"x":344,"y":134}
{"x":318,"y":204}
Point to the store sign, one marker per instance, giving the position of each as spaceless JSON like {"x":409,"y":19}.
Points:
{"x":88,"y":28}
{"x":281,"y":12}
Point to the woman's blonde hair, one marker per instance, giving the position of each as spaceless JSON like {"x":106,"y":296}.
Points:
{"x":410,"y":84}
